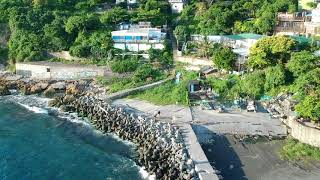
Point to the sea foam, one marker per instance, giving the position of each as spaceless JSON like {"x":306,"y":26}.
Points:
{"x":145,"y":174}
{"x":34,"y":109}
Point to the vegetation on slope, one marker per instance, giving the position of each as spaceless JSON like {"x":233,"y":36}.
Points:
{"x":294,"y":150}
{"x":38,"y":26}
{"x":170,"y":92}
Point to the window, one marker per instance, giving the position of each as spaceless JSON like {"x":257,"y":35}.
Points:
{"x":128,"y":38}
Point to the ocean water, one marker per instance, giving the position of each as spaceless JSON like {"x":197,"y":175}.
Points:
{"x":40,"y":146}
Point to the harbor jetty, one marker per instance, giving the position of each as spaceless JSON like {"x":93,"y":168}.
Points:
{"x":160,"y":147}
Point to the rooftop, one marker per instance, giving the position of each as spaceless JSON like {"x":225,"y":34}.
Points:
{"x":60,"y":64}
{"x":301,"y":39}
{"x":245,"y":36}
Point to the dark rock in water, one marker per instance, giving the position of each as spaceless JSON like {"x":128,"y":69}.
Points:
{"x":63,"y":108}
{"x":53,"y":102}
{"x":25,"y":90}
{"x":4,"y":90}
{"x":49,"y":93}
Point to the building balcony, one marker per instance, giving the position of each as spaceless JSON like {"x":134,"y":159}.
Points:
{"x":139,"y":41}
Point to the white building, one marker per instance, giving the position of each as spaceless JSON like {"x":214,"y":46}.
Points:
{"x":138,"y":39}
{"x":128,"y":1}
{"x":240,"y":43}
{"x":177,"y":5}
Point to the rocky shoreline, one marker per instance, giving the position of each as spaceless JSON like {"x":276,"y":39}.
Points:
{"x":160,"y":147}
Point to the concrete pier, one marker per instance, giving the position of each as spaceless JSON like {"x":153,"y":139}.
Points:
{"x":182,"y":117}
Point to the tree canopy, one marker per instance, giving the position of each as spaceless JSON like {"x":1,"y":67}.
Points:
{"x":270,"y":51}
{"x":302,"y":62}
{"x":224,"y":58}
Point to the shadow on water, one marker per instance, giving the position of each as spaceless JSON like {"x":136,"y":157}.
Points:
{"x":220,"y":154}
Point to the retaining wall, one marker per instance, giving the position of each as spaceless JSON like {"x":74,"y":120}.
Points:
{"x":303,"y":133}
{"x":193,"y":61}
{"x":201,"y":163}
{"x":48,"y":70}
{"x":127,"y":92}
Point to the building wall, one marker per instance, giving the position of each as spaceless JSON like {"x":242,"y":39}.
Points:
{"x":138,"y":47}
{"x":194,"y":61}
{"x":177,"y":7}
{"x":304,"y":134}
{"x":36,"y":71}
{"x":58,"y":72}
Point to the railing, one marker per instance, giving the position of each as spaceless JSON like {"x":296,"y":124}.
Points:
{"x":138,"y":41}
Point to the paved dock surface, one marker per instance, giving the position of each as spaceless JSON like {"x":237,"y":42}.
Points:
{"x":245,"y":123}
{"x":182,"y":117}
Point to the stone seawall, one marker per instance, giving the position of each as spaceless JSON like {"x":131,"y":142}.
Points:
{"x":59,"y":71}
{"x":160,"y":146}
{"x":303,"y":133}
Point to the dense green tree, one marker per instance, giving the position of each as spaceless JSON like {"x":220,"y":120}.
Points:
{"x":216,"y":20}
{"x":229,"y":88}
{"x":270,"y":51}
{"x":309,"y":107}
{"x":125,"y":64}
{"x":164,"y":57}
{"x":253,"y":84}
{"x":144,"y":72}
{"x":225,"y":58}
{"x":275,"y":77}
{"x":81,"y":22}
{"x":56,"y":36}
{"x":302,"y":62}
{"x":307,"y":83}
{"x":266,"y":21}
{"x":181,"y":33}
{"x":25,"y":46}
{"x":96,"y":45}
{"x":114,"y":16}
{"x":156,"y":12}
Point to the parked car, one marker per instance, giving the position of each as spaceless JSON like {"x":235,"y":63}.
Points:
{"x":251,"y":107}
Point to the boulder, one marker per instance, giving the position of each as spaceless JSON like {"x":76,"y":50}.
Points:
{"x":59,"y":85}
{"x":53,"y":102}
{"x":38,"y":88}
{"x":72,"y":89}
{"x":50,"y":92}
{"x":4,"y":90}
{"x":25,"y":90}
{"x":63,"y":108}
{"x":69,"y":99}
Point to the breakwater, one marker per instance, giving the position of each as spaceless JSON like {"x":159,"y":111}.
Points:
{"x":160,"y":146}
